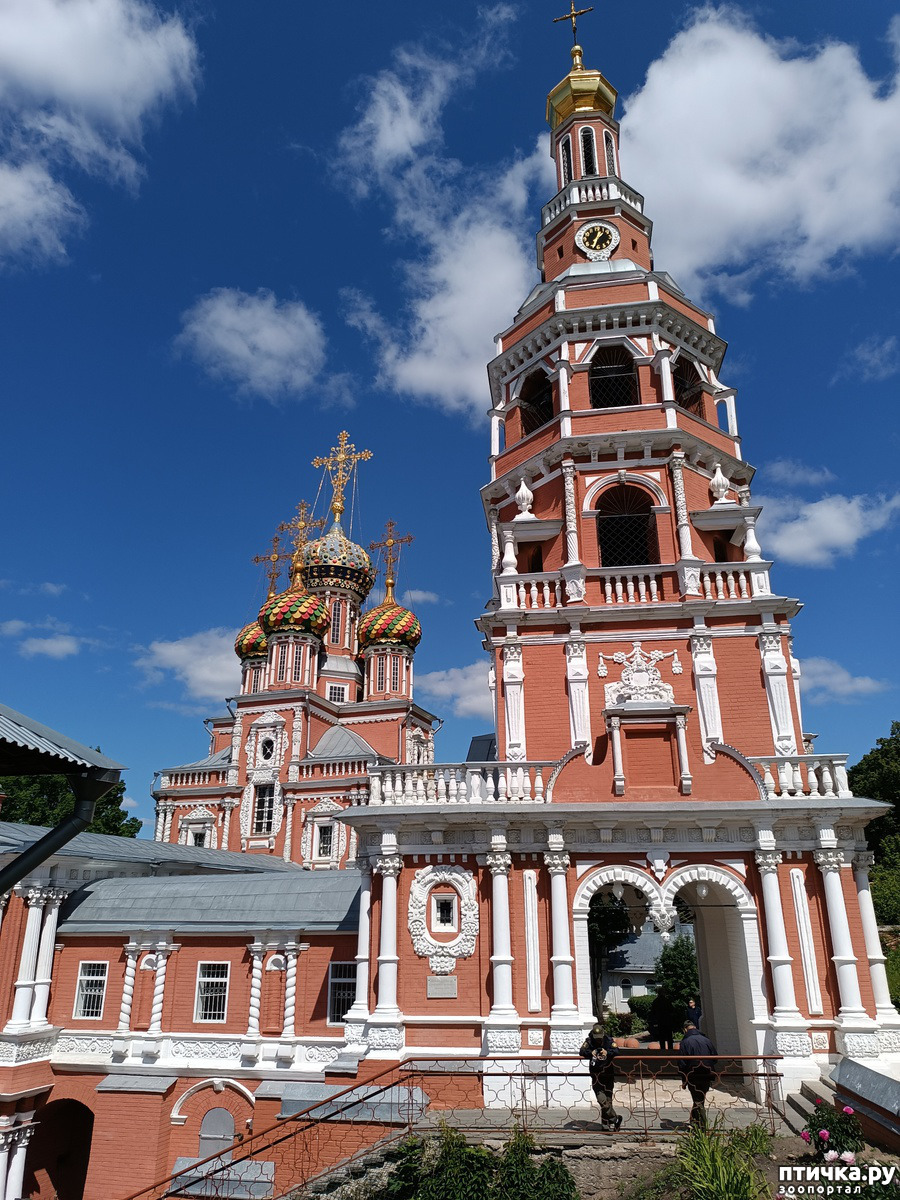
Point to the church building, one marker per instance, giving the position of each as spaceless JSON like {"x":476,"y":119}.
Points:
{"x":324,"y":896}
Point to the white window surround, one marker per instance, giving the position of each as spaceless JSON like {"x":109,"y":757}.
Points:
{"x":337,"y":693}
{"x":209,"y":998}
{"x":439,"y":910}
{"x":324,"y":841}
{"x":90,"y":987}
{"x":341,"y":990}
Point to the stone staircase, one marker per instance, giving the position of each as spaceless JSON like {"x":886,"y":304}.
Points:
{"x":800,"y":1106}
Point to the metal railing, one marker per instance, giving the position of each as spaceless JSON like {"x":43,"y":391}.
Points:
{"x":550,"y":1098}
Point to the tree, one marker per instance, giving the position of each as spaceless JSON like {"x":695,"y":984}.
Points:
{"x":47,"y":800}
{"x":608,"y":926}
{"x":877,"y":777}
{"x":676,"y":974}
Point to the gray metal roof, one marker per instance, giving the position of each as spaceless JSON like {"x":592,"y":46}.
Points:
{"x":301,"y":902}
{"x":341,"y":742}
{"x":28,"y":747}
{"x":14,"y":838}
{"x":639,"y":952}
{"x":221,"y":758}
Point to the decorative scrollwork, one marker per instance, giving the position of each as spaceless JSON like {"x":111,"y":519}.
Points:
{"x":443,"y":955}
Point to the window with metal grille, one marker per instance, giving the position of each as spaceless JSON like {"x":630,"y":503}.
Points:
{"x":198,"y":837}
{"x":565,"y":153}
{"x":395,"y":673}
{"x":626,"y":528}
{"x":610,"y":154}
{"x":282,"y":661}
{"x":212,"y":991}
{"x":588,"y":152}
{"x":264,"y":808}
{"x":379,"y":674}
{"x":337,"y":621}
{"x":688,"y":387}
{"x":90,"y":991}
{"x":535,"y":402}
{"x":336,"y":693}
{"x":341,"y":991}
{"x":612,"y":379}
{"x":325,"y":841}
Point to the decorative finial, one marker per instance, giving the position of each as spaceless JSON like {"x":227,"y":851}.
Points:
{"x":341,"y":464}
{"x":275,"y":558}
{"x":571,"y":15}
{"x":300,"y":529}
{"x":390,"y":556}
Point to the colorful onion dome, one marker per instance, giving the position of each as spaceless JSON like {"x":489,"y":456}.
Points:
{"x":389,"y":623}
{"x":294,"y":611}
{"x":251,"y":642}
{"x":334,"y":561}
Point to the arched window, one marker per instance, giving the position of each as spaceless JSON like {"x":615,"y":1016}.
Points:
{"x":612,"y":379}
{"x":531,"y":557}
{"x":565,"y":160}
{"x":610,"y":154}
{"x":626,"y":528}
{"x":626,"y":987}
{"x":588,"y":152}
{"x":687,"y":386}
{"x":535,"y":402}
{"x":216,"y":1134}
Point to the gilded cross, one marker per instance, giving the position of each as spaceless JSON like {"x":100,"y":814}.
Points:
{"x":275,"y":558}
{"x":300,"y":526}
{"x":391,"y":555}
{"x":341,"y":464}
{"x":571,"y":16}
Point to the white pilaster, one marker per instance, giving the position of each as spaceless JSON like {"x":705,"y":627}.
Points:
{"x":34,"y":898}
{"x":167,"y":827}
{"x":676,"y":468}
{"x":705,"y":674}
{"x":500,"y":863}
{"x":289,"y":802}
{"x":257,"y":953}
{"x":161,"y":955}
{"x":290,"y":989}
{"x":513,"y":700}
{"x":229,"y":806}
{"x":132,"y":953}
{"x":885,"y":1013}
{"x":358,"y":1012}
{"x":830,"y":863}
{"x":775,"y":673}
{"x":44,"y":972}
{"x":577,"y":677}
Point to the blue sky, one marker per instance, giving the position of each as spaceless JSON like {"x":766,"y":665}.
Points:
{"x":228,"y":231}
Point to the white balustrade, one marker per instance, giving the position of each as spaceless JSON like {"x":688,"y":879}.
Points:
{"x":631,"y":586}
{"x":587,"y":191}
{"x":326,"y":769}
{"x":725,"y":583}
{"x":800,"y":775}
{"x":462,"y":783}
{"x":178,"y":779}
{"x":537,"y":591}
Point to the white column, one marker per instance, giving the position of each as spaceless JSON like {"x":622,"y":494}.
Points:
{"x":785,"y":1008}
{"x":290,"y":989}
{"x":132,"y":953}
{"x":289,"y":801}
{"x":7,"y":1140}
{"x":386,"y":1006}
{"x":160,"y":818}
{"x":885,"y":1012}
{"x":257,"y":950}
{"x":359,"y":1010}
{"x":676,"y":467}
{"x":565,"y":1024}
{"x":161,"y":954}
{"x":683,"y":760}
{"x":500,"y":864}
{"x":44,"y":973}
{"x":24,"y":986}
{"x":830,"y":863}
{"x":167,"y":828}
{"x":229,"y":806}
{"x":572,"y":555}
{"x":614,"y":728}
{"x":15,"y":1177}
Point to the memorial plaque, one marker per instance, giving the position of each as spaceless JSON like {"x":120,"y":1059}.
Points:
{"x":442,"y":987}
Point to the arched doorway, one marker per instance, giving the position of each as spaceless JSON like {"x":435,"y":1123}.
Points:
{"x":59,"y":1151}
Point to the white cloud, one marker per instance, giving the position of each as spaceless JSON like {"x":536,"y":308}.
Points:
{"x":465,"y":689}
{"x":204,"y":662}
{"x":788,"y":133}
{"x":825,"y":681}
{"x":52,"y":589}
{"x":796,"y":474}
{"x":472,"y":228}
{"x":62,"y":645}
{"x":12,"y":628}
{"x":417,"y":596}
{"x":79,"y":79}
{"x":127,"y":802}
{"x":263,"y":345}
{"x":814,"y":534}
{"x":875,"y":359}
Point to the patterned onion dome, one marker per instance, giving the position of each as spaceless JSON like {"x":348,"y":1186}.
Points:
{"x":294,"y":611}
{"x":389,"y":622}
{"x":335,"y":561}
{"x":251,"y":642}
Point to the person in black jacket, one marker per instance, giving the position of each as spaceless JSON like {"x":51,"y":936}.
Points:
{"x":697,"y":1069}
{"x":693,"y":1013}
{"x":598,"y":1048}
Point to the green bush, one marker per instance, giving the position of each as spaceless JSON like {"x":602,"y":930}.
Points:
{"x":641,"y":1005}
{"x":716,"y":1165}
{"x":554,"y":1182}
{"x":832,"y":1129}
{"x":892,"y":966}
{"x":516,"y":1174}
{"x":623,"y":1024}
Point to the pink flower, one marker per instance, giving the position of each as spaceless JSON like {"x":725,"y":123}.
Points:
{"x":848,"y":1157}
{"x":831,"y":1156}
{"x":805,"y":1136}
{"x":848,"y":1110}
{"x":824,"y":1135}
{"x":818,"y":1101}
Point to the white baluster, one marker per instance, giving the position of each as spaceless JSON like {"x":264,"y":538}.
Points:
{"x":742,"y":580}
{"x":534,"y":593}
{"x":409,"y":795}
{"x":642,"y":589}
{"x":654,"y":588}
{"x":442,"y":787}
{"x":732,"y":590}
{"x":720,"y":586}
{"x":501,"y":787}
{"x":827,"y":779}
{"x":785,"y":778}
{"x":521,"y":594}
{"x":607,"y":589}
{"x":768,"y":780}
{"x":797,"y":781}
{"x":812,"y":778}
{"x":629,"y":583}
{"x":464,"y":788}
{"x":707,"y":590}
{"x":539,"y":785}
{"x":619,"y":592}
{"x":420,"y":789}
{"x":430,"y":789}
{"x":546,"y":594}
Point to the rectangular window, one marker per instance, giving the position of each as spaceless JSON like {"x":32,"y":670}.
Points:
{"x":282,"y":661}
{"x":379,"y":676}
{"x":444,"y":913}
{"x":91,"y":990}
{"x":336,"y":694}
{"x":337,"y":620}
{"x":395,"y":672}
{"x":341,"y":991}
{"x":257,"y":679}
{"x":298,"y":662}
{"x":326,"y":841}
{"x":212,"y":991}
{"x":199,"y":837}
{"x":264,"y":808}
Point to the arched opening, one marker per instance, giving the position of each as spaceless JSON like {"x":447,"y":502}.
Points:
{"x":216,"y":1134}
{"x":565,"y":160}
{"x":535,"y":402}
{"x":612,"y":379}
{"x":588,"y":152}
{"x":610,"y":154}
{"x":687,"y":386}
{"x":60,"y":1150}
{"x":626,"y":527}
{"x":720,"y":550}
{"x":531,"y":558}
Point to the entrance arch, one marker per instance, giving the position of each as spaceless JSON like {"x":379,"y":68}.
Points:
{"x":60,"y":1150}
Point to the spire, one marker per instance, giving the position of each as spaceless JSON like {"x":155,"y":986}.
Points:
{"x":578,"y":65}
{"x":300,"y":528}
{"x":274,"y":558}
{"x":341,"y":464}
{"x":391,"y":555}
{"x":582,"y":90}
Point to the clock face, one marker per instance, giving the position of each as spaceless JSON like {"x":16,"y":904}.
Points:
{"x":597,"y":240}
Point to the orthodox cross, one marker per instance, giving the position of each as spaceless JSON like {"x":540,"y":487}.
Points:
{"x":275,"y":558}
{"x":570,"y":16}
{"x":391,"y":555}
{"x":341,"y":464}
{"x":300,"y":526}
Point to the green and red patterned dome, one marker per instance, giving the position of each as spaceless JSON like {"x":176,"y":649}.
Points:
{"x":294,"y":611}
{"x":336,"y":562}
{"x":251,"y":642}
{"x":389,"y":624}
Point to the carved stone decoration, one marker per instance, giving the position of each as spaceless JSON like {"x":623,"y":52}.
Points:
{"x":513,"y":686}
{"x":768,"y":861}
{"x":355,"y":1035}
{"x":775,"y":671}
{"x":498,"y":863}
{"x":557,"y":862}
{"x":391,"y":864}
{"x":84,"y":1044}
{"x":793,"y":1045}
{"x":495,"y":539}
{"x":206,"y":1050}
{"x":859,"y":1045}
{"x":322,"y":1054}
{"x":524,"y":499}
{"x":502,"y":1040}
{"x":829,"y":860}
{"x":705,"y":674}
{"x":889,"y":1040}
{"x":820,"y":1040}
{"x":577,"y":676}
{"x":641,"y":681}
{"x":719,"y":484}
{"x":565,"y":1041}
{"x":442,"y":956}
{"x":572,"y":557}
{"x":385,"y":1037}
{"x":663,"y":919}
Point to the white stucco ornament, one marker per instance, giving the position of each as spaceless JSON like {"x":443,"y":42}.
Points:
{"x":641,"y":680}
{"x":442,"y":956}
